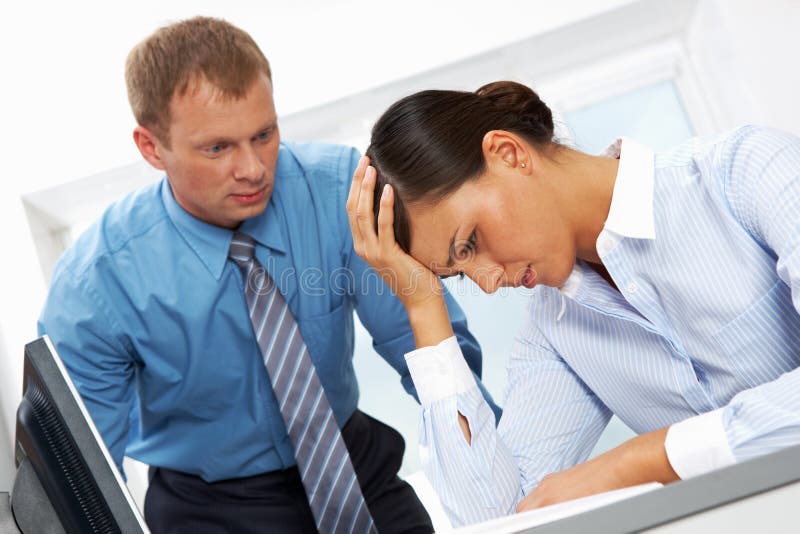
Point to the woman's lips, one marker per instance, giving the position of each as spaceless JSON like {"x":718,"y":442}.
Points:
{"x":529,"y":278}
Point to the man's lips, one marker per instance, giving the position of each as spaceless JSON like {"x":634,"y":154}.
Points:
{"x":249,"y":197}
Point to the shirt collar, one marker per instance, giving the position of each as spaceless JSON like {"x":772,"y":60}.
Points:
{"x":211,"y":243}
{"x":631,"y":212}
{"x":266,"y":228}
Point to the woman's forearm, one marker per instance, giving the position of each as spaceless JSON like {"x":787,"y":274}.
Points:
{"x":431,"y":325}
{"x":430,"y":322}
{"x":637,"y":461}
{"x":644,"y":459}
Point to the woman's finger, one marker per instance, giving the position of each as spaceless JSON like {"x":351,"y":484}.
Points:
{"x":355,"y":185}
{"x":386,"y":238}
{"x":352,"y":201}
{"x":364,"y":216}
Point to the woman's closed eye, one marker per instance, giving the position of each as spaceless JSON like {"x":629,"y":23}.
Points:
{"x":459,"y":274}
{"x":469,"y":248}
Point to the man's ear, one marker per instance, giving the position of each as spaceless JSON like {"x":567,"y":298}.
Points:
{"x":505,"y":148}
{"x":149,"y":146}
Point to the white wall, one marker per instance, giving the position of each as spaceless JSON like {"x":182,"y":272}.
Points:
{"x":766,"y":41}
{"x":6,"y":450}
{"x":746,"y":53}
{"x":21,"y":295}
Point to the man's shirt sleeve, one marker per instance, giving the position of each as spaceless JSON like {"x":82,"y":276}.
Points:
{"x":85,"y":332}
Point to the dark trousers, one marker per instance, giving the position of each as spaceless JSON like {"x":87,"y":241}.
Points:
{"x":276,"y":502}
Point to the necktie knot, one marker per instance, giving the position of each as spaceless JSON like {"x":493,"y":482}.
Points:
{"x":242,"y":250}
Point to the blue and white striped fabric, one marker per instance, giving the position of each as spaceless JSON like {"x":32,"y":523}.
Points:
{"x":706,"y":319}
{"x":329,"y":479}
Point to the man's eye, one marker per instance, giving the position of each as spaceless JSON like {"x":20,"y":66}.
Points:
{"x":216,"y":149}
{"x":264,"y":135}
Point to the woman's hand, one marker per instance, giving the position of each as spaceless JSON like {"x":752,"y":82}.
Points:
{"x":408,"y":279}
{"x":414,"y":284}
{"x":637,"y":461}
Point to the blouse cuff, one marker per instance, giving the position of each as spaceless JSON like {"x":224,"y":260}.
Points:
{"x":698,"y":445}
{"x":440,"y":371}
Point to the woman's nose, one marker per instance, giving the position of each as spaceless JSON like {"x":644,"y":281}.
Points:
{"x":488,"y":276}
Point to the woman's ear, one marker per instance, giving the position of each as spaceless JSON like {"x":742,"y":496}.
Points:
{"x":506,"y":149}
{"x":149,"y":146}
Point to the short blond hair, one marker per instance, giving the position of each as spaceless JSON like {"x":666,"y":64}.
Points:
{"x":179,"y":55}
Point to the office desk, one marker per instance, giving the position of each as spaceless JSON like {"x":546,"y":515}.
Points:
{"x":761,"y":495}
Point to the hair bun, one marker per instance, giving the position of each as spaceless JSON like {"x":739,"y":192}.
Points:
{"x":520,"y":100}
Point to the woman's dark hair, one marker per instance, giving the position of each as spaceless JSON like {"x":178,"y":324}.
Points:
{"x":430,"y":143}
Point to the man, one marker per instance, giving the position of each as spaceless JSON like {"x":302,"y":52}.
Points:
{"x":207,"y":319}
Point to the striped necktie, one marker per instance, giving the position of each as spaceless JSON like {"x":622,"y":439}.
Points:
{"x":322,"y":458}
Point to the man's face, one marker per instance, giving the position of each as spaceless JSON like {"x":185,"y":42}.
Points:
{"x":223,"y":152}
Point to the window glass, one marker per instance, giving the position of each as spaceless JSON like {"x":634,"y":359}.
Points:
{"x":653,"y":115}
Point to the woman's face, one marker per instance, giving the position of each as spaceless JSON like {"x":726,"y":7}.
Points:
{"x":502,"y":229}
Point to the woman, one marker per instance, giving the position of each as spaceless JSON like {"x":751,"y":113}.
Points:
{"x":665,"y":290}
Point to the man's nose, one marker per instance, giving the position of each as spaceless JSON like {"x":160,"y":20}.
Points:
{"x":248,"y":165}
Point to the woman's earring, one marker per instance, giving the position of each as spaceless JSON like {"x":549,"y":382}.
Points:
{"x":523,"y":164}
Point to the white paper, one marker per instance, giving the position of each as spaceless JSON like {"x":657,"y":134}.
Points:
{"x":540,"y":516}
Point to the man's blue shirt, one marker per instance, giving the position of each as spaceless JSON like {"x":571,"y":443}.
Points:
{"x":148,"y":314}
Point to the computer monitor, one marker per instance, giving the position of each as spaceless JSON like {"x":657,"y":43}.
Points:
{"x":65,"y":477}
